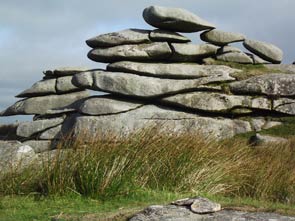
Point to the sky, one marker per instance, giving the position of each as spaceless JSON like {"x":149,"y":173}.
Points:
{"x":38,"y":35}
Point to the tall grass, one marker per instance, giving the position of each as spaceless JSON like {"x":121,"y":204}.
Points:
{"x":108,"y":166}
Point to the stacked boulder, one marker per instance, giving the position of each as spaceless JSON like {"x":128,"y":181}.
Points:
{"x":156,"y":78}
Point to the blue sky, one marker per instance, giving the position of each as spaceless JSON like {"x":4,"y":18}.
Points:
{"x":36,"y":35}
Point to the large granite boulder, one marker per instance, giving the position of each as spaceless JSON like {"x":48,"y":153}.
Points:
{"x":237,"y":57}
{"x":266,"y":51}
{"x":171,"y":70}
{"x":269,"y":84}
{"x":128,"y":36}
{"x":192,"y":52}
{"x":175,"y":19}
{"x":217,"y":102}
{"x":141,"y":86}
{"x":221,"y":38}
{"x":168,"y":121}
{"x":40,"y":105}
{"x":138,"y":52}
{"x":159,"y":35}
{"x":28,"y":129}
{"x":107,"y":104}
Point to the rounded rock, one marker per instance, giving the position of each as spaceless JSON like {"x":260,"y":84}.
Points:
{"x":221,"y":38}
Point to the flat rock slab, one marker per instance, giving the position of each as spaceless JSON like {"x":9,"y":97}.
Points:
{"x":268,"y":84}
{"x":65,"y":85}
{"x":177,"y":213}
{"x":40,"y":105}
{"x":28,"y":129}
{"x":168,"y":36}
{"x":227,"y":49}
{"x":285,"y":68}
{"x":237,"y":57}
{"x":44,"y":87}
{"x":266,"y":51}
{"x":284,"y":105}
{"x":64,"y":71}
{"x":54,"y":133}
{"x":221,"y":38}
{"x":128,"y":36}
{"x":171,"y":70}
{"x":167,"y":120}
{"x":192,"y":52}
{"x":41,"y":146}
{"x":217,"y":102}
{"x":256,"y":59}
{"x":259,"y":139}
{"x":103,"y":105}
{"x":140,"y":86}
{"x":139,"y":52}
{"x":175,"y":19}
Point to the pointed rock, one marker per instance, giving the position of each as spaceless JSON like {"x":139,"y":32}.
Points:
{"x":167,"y":36}
{"x":237,"y":57}
{"x":141,"y":86}
{"x":192,"y":52}
{"x":103,"y":105}
{"x":266,"y":51}
{"x":40,"y":105}
{"x":175,"y":19}
{"x":171,"y":70}
{"x":221,"y":38}
{"x":44,"y":87}
{"x":128,"y":36}
{"x":140,"y":52}
{"x":268,"y":84}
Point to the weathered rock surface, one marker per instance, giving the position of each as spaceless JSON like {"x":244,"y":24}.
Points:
{"x":140,"y":86}
{"x":192,"y":52}
{"x":217,"y":102}
{"x":128,"y":36}
{"x":266,"y":51}
{"x":285,"y":68}
{"x":284,"y":105}
{"x":256,"y":59}
{"x":102,"y":105}
{"x":27,"y":129}
{"x":168,"y":121}
{"x":237,"y":57}
{"x":227,"y":49}
{"x":52,"y":133}
{"x":221,"y":38}
{"x":40,"y":105}
{"x":175,"y":19}
{"x":179,"y":213}
{"x":259,"y":139}
{"x":268,"y":84}
{"x":15,"y":156}
{"x":168,"y":36}
{"x":64,"y":71}
{"x":140,"y":52}
{"x":65,"y":85}
{"x":171,"y":70}
{"x":41,"y":146}
{"x":44,"y":87}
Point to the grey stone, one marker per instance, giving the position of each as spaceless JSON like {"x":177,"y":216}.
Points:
{"x":227,"y":49}
{"x":41,"y":146}
{"x":28,"y":129}
{"x":103,"y":105}
{"x":179,"y":213}
{"x":266,"y":51}
{"x":54,"y":133}
{"x":40,"y":105}
{"x":66,"y":71}
{"x":141,"y":86}
{"x":192,"y":52}
{"x":221,"y":38}
{"x":261,"y":123}
{"x":285,"y":68}
{"x":167,"y":36}
{"x":171,"y":70}
{"x":259,"y":139}
{"x":204,"y":206}
{"x":268,"y":84}
{"x":139,"y":52}
{"x":175,"y":19}
{"x":44,"y":87}
{"x":65,"y":85}
{"x":128,"y":36}
{"x":284,"y":105}
{"x":256,"y":59}
{"x":167,"y":120}
{"x":216,"y":102}
{"x":237,"y":57}
{"x":15,"y":156}
{"x":184,"y":202}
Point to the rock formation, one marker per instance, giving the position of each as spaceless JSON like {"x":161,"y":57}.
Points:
{"x":158,"y":78}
